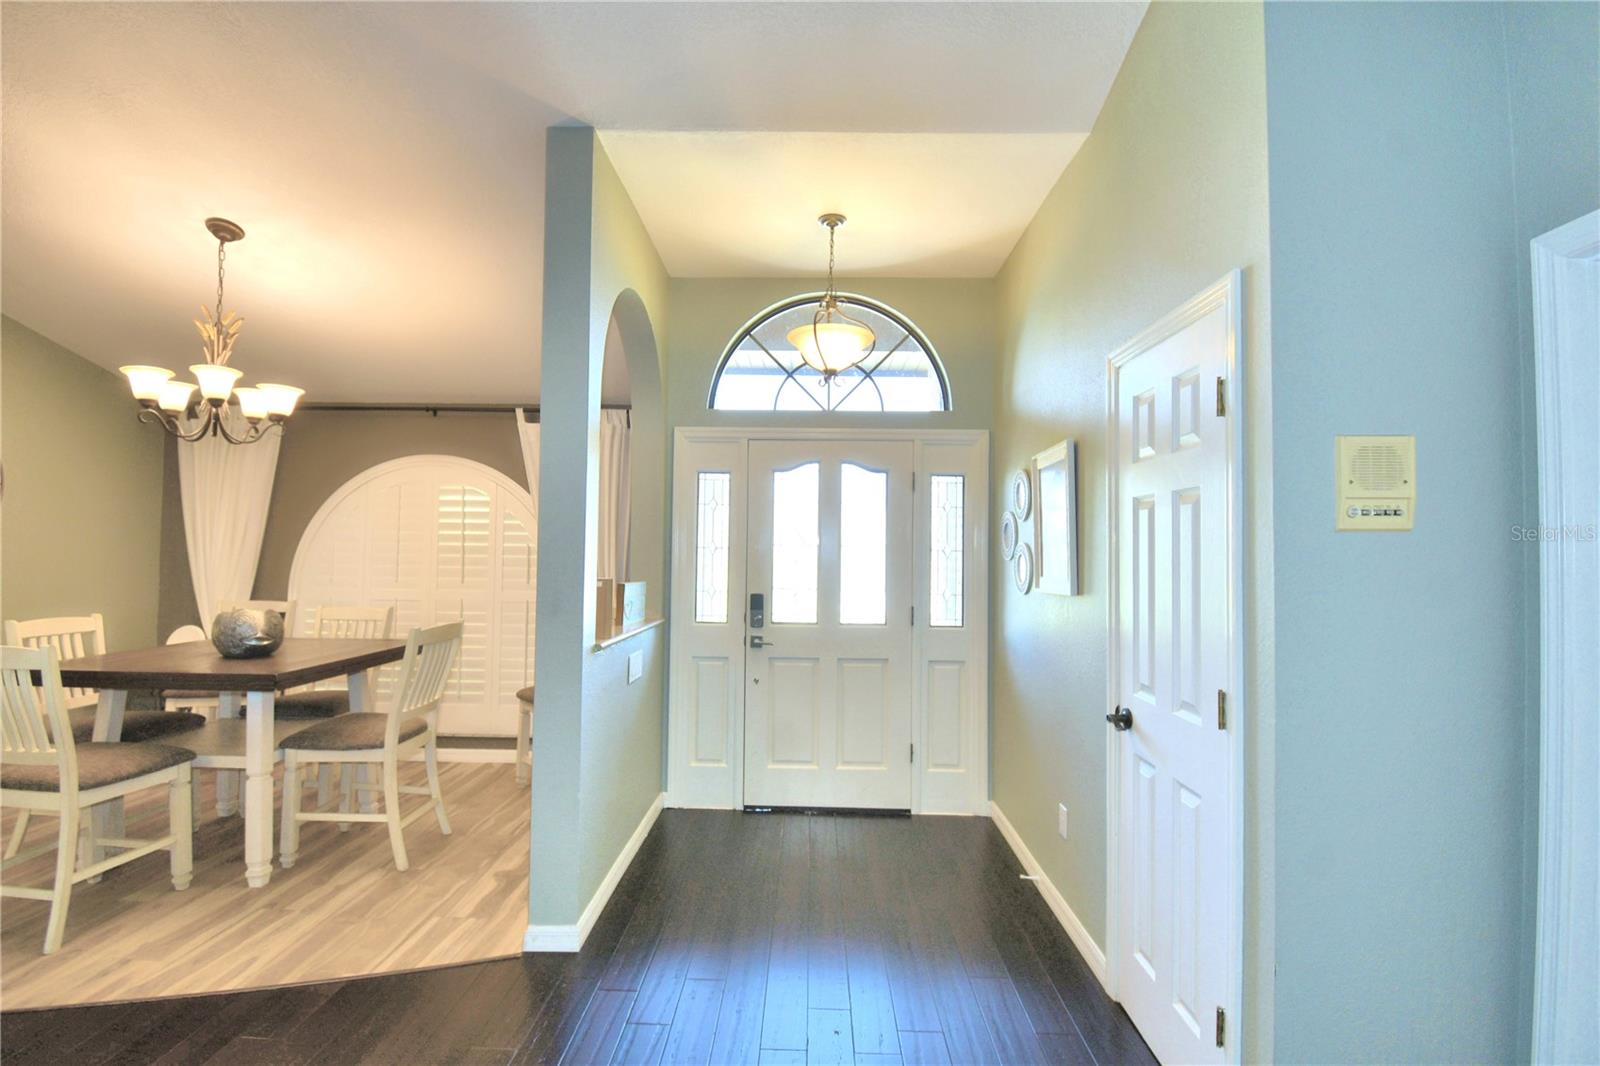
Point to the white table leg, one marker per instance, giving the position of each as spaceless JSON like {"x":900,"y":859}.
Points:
{"x":228,"y":706}
{"x":360,"y":686}
{"x":362,"y":701}
{"x":106,"y":818}
{"x":259,"y":756}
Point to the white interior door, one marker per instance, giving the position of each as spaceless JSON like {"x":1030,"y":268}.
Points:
{"x":438,"y":538}
{"x":828,"y":692}
{"x":1174,"y":829}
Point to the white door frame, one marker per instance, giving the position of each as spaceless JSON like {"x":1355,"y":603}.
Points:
{"x":932,"y":791}
{"x":1226,"y":293}
{"x":1568,"y":427}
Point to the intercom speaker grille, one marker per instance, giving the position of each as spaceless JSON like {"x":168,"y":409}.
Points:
{"x":1378,"y":468}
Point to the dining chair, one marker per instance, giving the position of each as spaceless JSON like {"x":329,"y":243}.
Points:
{"x":328,"y":698}
{"x":44,"y":769}
{"x":74,"y":638}
{"x":370,"y":738}
{"x":525,"y":736}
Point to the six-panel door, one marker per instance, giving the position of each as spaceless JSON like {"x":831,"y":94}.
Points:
{"x":1172,"y":614}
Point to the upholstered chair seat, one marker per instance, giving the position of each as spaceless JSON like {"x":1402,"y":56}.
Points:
{"x":136,"y":725}
{"x":325,"y":703}
{"x":98,"y":765}
{"x":350,"y":732}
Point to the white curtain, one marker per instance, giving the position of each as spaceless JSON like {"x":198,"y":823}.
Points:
{"x":528,"y":437}
{"x":615,"y":457}
{"x":226,"y":491}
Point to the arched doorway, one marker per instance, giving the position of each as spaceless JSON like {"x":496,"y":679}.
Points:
{"x":440,"y":538}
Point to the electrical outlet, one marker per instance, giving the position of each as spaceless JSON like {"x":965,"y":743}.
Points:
{"x":635,"y":666}
{"x":1061,"y":820}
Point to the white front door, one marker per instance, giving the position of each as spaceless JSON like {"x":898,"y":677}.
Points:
{"x":1172,"y":499}
{"x":828,"y":670}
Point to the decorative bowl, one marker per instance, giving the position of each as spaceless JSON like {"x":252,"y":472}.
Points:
{"x":247,"y":633}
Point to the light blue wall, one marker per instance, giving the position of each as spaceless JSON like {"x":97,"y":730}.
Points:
{"x":1404,"y":661}
{"x":597,"y":739}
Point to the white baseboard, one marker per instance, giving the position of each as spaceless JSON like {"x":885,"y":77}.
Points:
{"x":477,"y":755}
{"x":1091,"y":951}
{"x":570,"y":938}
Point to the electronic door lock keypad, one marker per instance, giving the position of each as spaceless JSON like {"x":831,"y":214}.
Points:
{"x":758,"y":610}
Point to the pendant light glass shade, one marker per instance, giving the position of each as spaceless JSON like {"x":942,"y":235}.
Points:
{"x":280,"y":399}
{"x":216,"y":382}
{"x":830,"y":348}
{"x":174,"y":397}
{"x":252,"y":403}
{"x":145,"y":381}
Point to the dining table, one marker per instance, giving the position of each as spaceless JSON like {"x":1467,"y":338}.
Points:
{"x":249,"y":686}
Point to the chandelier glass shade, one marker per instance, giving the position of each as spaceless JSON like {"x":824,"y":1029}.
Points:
{"x":172,"y":404}
{"x":834,"y":341}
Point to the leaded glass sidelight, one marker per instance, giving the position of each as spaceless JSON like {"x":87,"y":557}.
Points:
{"x":762,"y":371}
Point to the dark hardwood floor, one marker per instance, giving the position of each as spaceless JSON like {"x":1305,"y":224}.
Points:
{"x":734,"y":938}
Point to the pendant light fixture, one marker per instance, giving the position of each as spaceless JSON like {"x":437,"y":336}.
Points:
{"x":167,"y":402}
{"x":834,"y":341}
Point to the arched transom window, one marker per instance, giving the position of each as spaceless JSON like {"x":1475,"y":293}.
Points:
{"x":762,"y":371}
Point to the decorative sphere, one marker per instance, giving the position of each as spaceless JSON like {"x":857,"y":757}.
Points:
{"x":247,"y":633}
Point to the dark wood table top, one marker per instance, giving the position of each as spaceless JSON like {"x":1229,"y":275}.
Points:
{"x":196,"y":665}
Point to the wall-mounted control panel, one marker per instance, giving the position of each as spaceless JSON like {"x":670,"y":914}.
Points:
{"x":1377,"y":483}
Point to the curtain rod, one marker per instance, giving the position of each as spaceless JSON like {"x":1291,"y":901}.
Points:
{"x":446,"y":408}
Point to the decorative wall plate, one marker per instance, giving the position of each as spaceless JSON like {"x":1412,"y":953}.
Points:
{"x":1022,"y":568}
{"x":1009,"y":537}
{"x":1022,"y":495}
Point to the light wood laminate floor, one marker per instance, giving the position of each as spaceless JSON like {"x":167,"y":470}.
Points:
{"x":342,"y":911}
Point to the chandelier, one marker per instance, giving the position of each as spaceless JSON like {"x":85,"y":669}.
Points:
{"x":171,"y":404}
{"x":834,"y":341}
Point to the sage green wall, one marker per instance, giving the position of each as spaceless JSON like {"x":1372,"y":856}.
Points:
{"x":322,"y":450}
{"x":80,"y":525}
{"x":597,"y":743}
{"x":957,"y":316}
{"x":1168,"y":195}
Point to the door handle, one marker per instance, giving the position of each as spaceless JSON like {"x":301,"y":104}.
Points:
{"x":758,"y":641}
{"x":1121,"y":718}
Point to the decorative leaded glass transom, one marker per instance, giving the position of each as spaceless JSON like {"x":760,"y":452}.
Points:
{"x":762,"y":371}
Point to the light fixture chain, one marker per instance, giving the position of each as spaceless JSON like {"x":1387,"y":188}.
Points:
{"x":222,"y":255}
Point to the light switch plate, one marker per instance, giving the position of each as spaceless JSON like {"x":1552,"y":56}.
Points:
{"x":1375,"y":483}
{"x":635,"y":666}
{"x":1061,"y":820}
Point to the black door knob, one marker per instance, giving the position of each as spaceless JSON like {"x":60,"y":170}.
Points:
{"x":1121,"y":718}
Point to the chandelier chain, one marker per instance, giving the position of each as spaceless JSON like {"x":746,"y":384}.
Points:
{"x":222,"y":255}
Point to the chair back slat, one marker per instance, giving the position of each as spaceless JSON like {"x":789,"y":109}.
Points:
{"x":70,"y":638}
{"x":283,"y":607}
{"x":430,"y":653}
{"x":354,"y":623}
{"x":34,"y":728}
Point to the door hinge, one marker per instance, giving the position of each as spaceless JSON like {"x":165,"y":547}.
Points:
{"x":1222,"y":1026}
{"x":913,"y":753}
{"x":913,"y":614}
{"x":1222,"y":404}
{"x":1222,"y":709}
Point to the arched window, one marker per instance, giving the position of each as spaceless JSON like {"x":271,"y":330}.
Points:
{"x":762,"y":371}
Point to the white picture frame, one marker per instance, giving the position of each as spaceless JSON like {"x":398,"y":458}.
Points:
{"x":1055,"y":523}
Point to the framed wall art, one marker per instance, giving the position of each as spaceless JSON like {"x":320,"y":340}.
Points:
{"x":1055,"y":524}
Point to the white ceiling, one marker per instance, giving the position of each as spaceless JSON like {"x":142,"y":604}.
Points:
{"x":942,"y":205}
{"x":387,"y":162}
